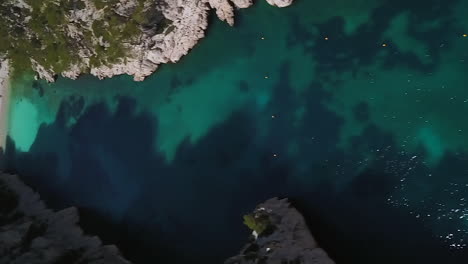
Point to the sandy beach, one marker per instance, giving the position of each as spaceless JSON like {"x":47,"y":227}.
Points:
{"x":4,"y":100}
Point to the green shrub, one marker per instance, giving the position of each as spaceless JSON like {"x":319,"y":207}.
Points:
{"x":258,"y":224}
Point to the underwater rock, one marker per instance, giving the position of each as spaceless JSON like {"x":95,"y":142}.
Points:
{"x":280,"y":235}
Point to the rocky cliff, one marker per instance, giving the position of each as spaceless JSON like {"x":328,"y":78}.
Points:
{"x":106,"y":37}
{"x":32,"y":234}
{"x":279,"y":235}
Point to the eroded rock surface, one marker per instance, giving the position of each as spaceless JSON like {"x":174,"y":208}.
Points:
{"x":92,"y":37}
{"x":280,"y":3}
{"x":32,"y":234}
{"x":280,"y":236}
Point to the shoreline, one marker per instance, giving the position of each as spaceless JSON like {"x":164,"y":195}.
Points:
{"x":4,"y":101}
{"x":186,"y":24}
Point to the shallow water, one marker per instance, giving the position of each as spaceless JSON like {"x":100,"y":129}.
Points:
{"x":355,"y":111}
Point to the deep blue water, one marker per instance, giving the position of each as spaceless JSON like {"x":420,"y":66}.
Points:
{"x":368,"y":140}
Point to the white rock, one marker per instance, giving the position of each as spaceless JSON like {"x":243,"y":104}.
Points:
{"x":255,"y":234}
{"x":224,"y":10}
{"x":42,"y":72}
{"x":242,"y":3}
{"x":189,"y":22}
{"x":280,"y":3}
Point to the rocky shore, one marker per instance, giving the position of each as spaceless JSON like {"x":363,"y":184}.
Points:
{"x":167,"y":30}
{"x":31,"y":233}
{"x":189,"y":22}
{"x":279,"y":235}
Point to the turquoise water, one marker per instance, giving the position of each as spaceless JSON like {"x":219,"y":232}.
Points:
{"x":356,"y":111}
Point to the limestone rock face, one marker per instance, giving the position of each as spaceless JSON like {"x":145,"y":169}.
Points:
{"x":42,"y":73}
{"x":161,"y":31}
{"x":4,"y":72}
{"x":189,"y":22}
{"x":280,"y":3}
{"x":31,"y":233}
{"x":285,"y":238}
{"x":242,"y":3}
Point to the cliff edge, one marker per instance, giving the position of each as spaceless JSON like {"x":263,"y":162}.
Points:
{"x":279,"y":235}
{"x":106,"y":37}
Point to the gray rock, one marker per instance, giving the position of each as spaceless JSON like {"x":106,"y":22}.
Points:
{"x":284,"y":238}
{"x":32,"y":234}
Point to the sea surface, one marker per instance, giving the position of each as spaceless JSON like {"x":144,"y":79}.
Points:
{"x":355,"y":110}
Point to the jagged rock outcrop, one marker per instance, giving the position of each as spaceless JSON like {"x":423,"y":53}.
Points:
{"x":280,"y":3}
{"x":167,"y":30}
{"x":189,"y":22}
{"x":242,"y":3}
{"x":280,"y":235}
{"x":32,"y":234}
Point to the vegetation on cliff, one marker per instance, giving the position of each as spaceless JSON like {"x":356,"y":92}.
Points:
{"x":257,"y":223}
{"x":56,"y":33}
